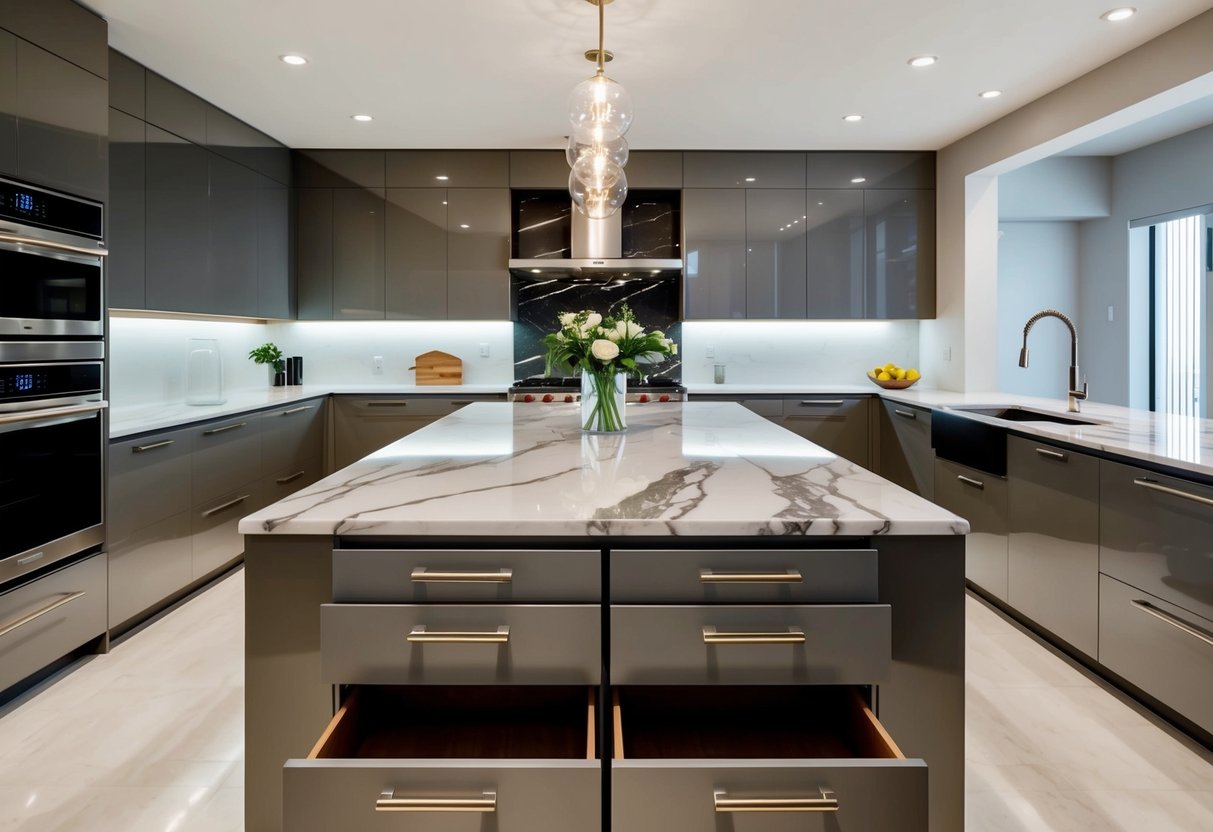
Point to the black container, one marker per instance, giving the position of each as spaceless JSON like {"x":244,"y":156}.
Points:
{"x":296,"y":364}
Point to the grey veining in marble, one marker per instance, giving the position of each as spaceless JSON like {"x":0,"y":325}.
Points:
{"x":681,"y":469}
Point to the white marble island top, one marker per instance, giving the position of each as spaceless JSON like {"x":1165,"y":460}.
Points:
{"x":694,"y":468}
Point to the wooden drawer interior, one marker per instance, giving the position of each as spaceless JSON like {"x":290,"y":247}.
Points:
{"x":463,"y":722}
{"x":726,"y":722}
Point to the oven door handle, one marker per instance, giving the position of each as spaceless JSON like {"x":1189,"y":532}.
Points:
{"x":16,"y":239}
{"x":49,"y":416}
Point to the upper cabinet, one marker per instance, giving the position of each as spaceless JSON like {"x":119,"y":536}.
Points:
{"x":126,"y":211}
{"x":62,"y":27}
{"x":8,"y":102}
{"x":733,"y":169}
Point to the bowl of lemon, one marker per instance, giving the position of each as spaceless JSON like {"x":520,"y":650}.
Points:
{"x":892,"y":377}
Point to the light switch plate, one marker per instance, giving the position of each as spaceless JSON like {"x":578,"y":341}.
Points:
{"x":377,"y":365}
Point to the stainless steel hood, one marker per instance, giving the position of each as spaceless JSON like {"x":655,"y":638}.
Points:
{"x":597,"y":247}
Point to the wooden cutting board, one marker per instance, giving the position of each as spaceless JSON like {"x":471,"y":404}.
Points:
{"x":437,"y":367}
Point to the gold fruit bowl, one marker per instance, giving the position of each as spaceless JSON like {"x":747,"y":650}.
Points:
{"x":893,"y":384}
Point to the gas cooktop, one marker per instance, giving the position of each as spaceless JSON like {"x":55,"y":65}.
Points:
{"x":574,"y":383}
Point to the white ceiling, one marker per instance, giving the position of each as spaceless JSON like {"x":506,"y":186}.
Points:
{"x":703,"y":74}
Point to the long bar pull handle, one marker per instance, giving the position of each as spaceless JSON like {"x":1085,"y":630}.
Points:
{"x":296,"y":410}
{"x":290,"y":477}
{"x":792,"y":635}
{"x":790,"y":576}
{"x":826,"y":802}
{"x":1174,"y":492}
{"x":225,"y":506}
{"x":388,"y":802}
{"x":970,"y":481}
{"x":421,"y":635}
{"x":422,"y":575}
{"x":387,"y":404}
{"x":138,"y":449}
{"x":51,"y":244}
{"x":51,"y":607}
{"x":1163,"y":615}
{"x":223,"y":429}
{"x":1058,"y":455}
{"x":909,"y":414}
{"x":822,"y":402}
{"x":461,"y":403}
{"x":52,"y":413}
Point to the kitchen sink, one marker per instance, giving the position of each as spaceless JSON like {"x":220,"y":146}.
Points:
{"x":1023,"y":414}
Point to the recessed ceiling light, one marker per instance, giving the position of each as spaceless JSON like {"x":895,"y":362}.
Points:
{"x":989,"y":94}
{"x":853,"y":117}
{"x":293,"y":60}
{"x":1123,"y":13}
{"x":923,"y":60}
{"x":749,"y":179}
{"x":442,"y":178}
{"x":464,"y":225}
{"x":362,"y":117}
{"x":859,"y":179}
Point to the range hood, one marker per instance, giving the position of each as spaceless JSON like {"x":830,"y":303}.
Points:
{"x":597,"y":247}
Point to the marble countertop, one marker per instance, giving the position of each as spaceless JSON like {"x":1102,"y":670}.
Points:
{"x":694,"y":468}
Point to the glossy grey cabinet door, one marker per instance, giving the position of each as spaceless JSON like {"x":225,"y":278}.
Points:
{"x":338,"y":168}
{"x":149,"y":480}
{"x":232,"y":209}
{"x":904,"y":452}
{"x":775,"y":265}
{"x":358,"y":229}
{"x":128,"y":85}
{"x":713,"y":221}
{"x":840,"y":424}
{"x":292,"y":436}
{"x":125,"y":213}
{"x":62,"y":27}
{"x":149,"y":565}
{"x":733,"y":169}
{"x":478,"y":247}
{"x":654,"y":169}
{"x":448,"y":169}
{"x":178,"y":232}
{"x":175,"y":109}
{"x":63,"y":122}
{"x":538,"y":169}
{"x":226,"y":455}
{"x":274,"y":296}
{"x":314,"y":253}
{"x":878,"y":168}
{"x":835,"y":242}
{"x":1053,"y":548}
{"x":215,"y":541}
{"x":8,"y":104}
{"x":416,"y":261}
{"x":981,"y":499}
{"x":900,"y":243}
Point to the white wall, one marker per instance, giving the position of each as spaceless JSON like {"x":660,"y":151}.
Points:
{"x":1057,"y":188}
{"x":1038,"y":268}
{"x":802,"y":352}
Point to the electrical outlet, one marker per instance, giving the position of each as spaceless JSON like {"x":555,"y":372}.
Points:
{"x":1111,"y":310}
{"x":377,"y":365}
{"x":947,"y":353}
{"x":710,"y":352}
{"x":484,"y":350}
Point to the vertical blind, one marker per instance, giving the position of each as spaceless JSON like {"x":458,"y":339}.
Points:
{"x":1180,"y":275}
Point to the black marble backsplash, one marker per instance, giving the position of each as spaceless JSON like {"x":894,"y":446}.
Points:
{"x":537,"y":301}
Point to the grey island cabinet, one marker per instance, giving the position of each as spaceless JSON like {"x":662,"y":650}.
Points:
{"x":499,"y":622}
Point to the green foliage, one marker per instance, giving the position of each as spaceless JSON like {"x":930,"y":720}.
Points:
{"x":588,"y":341}
{"x":269,"y":353}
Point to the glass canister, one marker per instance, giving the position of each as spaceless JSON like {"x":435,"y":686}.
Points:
{"x":203,"y":372}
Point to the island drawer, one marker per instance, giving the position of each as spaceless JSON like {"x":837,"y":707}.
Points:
{"x":1163,"y":649}
{"x":725,"y":576}
{"x":449,"y":644}
{"x":413,"y":576}
{"x":775,"y":759}
{"x":827,"y":644}
{"x":442,"y":759}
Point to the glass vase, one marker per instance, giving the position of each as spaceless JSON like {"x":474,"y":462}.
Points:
{"x":602,"y":401}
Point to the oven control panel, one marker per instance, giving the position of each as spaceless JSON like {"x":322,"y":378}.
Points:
{"x":38,"y":207}
{"x":20,"y":382}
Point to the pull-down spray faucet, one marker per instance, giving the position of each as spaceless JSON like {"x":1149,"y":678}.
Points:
{"x":1075,"y":395}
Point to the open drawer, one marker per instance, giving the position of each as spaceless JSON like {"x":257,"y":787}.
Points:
{"x":449,"y":759}
{"x":767,"y":759}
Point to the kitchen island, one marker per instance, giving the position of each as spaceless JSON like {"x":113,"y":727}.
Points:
{"x":706,"y":565}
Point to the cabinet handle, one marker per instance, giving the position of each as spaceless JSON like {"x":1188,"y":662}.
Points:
{"x":291,"y":478}
{"x":388,"y":802}
{"x":1163,"y":615}
{"x":138,"y":449}
{"x":792,"y":635}
{"x":970,"y":481}
{"x":822,"y":403}
{"x":461,"y":404}
{"x":223,"y":429}
{"x":1058,"y":455}
{"x":296,"y":410}
{"x":225,"y":506}
{"x":827,"y":802}
{"x":1174,"y":492}
{"x":909,"y":414}
{"x":420,"y":634}
{"x":422,"y":575}
{"x":387,"y":404}
{"x":791,"y":576}
{"x":51,"y":607}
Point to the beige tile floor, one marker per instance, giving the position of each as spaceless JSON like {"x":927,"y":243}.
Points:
{"x":148,"y":738}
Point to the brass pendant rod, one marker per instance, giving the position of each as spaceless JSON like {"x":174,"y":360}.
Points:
{"x":601,"y":48}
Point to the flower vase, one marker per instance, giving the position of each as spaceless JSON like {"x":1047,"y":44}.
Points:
{"x":602,"y":401}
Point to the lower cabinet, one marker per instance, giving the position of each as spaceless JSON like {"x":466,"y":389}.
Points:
{"x":149,"y":565}
{"x":981,"y":499}
{"x":838,"y":424}
{"x":364,"y":424}
{"x":903,"y":447}
{"x":215,"y":541}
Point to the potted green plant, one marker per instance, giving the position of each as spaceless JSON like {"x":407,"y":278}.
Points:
{"x":269,"y":353}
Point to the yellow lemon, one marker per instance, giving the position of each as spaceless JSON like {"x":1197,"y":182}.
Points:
{"x":890,"y":367}
{"x":913,"y":375}
{"x":899,"y":374}
{"x":883,"y":376}
{"x":877,"y":371}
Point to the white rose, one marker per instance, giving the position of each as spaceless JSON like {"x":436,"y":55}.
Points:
{"x":566,"y":318}
{"x":658,"y":333}
{"x":614,"y":335}
{"x":604,"y":350}
{"x":592,"y":320}
{"x":628,"y":329}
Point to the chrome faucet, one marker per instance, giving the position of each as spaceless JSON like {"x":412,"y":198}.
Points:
{"x":1076,"y":396}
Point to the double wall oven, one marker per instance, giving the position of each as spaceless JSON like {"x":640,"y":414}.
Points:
{"x":52,"y":403}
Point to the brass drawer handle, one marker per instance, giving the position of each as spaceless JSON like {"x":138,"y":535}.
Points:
{"x":1164,"y":616}
{"x":791,"y":576}
{"x":290,"y":478}
{"x":822,"y":402}
{"x":229,"y":504}
{"x":51,"y":607}
{"x":223,"y":429}
{"x":970,"y":481}
{"x":792,"y":635}
{"x":296,"y":410}
{"x":388,"y":802}
{"x":909,"y":414}
{"x":827,"y":802}
{"x":1058,"y":455}
{"x":138,"y":449}
{"x":1174,"y":492}
{"x":422,"y":575}
{"x":421,"y":635}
